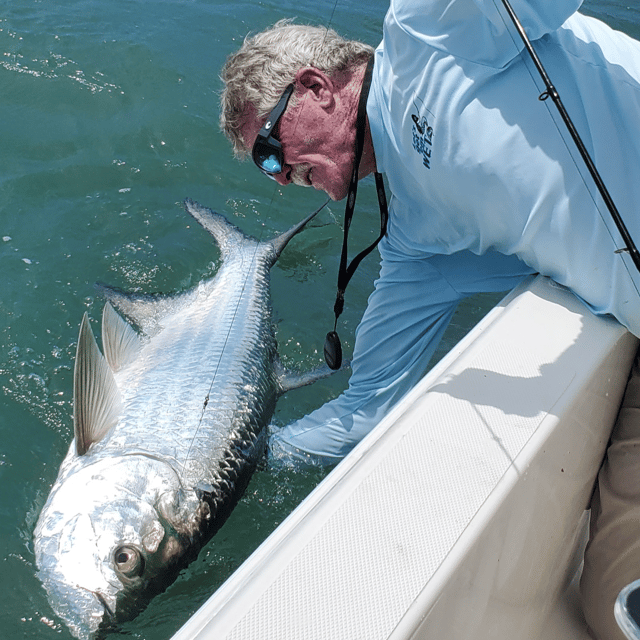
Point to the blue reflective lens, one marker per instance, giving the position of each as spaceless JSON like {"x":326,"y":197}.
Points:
{"x":267,"y":150}
{"x":271,"y":164}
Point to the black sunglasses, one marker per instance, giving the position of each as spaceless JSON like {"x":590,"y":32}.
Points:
{"x":267,"y":151}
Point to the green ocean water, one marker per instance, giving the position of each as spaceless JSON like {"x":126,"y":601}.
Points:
{"x":108,"y":120}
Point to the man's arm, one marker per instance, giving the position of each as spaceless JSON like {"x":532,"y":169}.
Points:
{"x":409,"y":310}
{"x":476,"y":30}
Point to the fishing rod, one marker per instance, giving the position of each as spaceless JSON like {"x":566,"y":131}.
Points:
{"x":551,"y":92}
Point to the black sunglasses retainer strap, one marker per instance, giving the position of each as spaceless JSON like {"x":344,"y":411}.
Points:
{"x":332,"y":345}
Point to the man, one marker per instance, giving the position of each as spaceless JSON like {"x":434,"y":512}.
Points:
{"x":486,"y":185}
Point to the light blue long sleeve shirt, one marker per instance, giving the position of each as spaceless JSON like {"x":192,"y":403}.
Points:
{"x":486,"y":184}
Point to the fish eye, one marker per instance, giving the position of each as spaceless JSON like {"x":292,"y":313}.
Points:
{"x":128,"y":561}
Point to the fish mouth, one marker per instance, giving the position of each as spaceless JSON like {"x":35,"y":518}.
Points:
{"x":109,"y":615}
{"x":87,"y":613}
{"x":102,"y":625}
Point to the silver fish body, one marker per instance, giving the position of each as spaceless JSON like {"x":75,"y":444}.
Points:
{"x":169,"y":426}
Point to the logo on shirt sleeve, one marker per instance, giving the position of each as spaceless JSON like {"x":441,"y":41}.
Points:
{"x":422,"y":134}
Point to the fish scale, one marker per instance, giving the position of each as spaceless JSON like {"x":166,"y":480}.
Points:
{"x":206,"y":346}
{"x":169,"y":425}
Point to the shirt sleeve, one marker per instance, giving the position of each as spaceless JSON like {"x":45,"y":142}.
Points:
{"x":411,"y":306}
{"x":480,"y":31}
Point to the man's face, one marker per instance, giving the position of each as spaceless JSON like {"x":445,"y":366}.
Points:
{"x":317,"y":142}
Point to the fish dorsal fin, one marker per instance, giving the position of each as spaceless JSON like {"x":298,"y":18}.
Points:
{"x":120,"y":342}
{"x":96,"y":399}
{"x":146,"y":312}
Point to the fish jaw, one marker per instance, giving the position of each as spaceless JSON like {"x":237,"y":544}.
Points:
{"x":84,"y":612}
{"x":105,"y":543}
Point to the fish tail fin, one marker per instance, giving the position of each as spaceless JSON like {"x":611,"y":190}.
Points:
{"x":226,"y":234}
{"x":280,"y":242}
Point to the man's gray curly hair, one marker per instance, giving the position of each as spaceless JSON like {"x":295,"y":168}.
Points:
{"x":267,"y":62}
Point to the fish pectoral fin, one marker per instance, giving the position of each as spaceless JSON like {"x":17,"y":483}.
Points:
{"x":289,"y":380}
{"x":96,"y":398}
{"x":120,"y":342}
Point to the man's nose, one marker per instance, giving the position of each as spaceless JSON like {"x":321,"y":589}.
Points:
{"x":284,"y":177}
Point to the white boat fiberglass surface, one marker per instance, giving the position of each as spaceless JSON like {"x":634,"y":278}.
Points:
{"x":462,"y":515}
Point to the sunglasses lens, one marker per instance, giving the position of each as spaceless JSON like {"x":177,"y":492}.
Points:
{"x":267,"y":151}
{"x":271,"y":164}
{"x":267,"y":159}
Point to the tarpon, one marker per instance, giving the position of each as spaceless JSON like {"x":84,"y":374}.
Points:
{"x":168,"y":427}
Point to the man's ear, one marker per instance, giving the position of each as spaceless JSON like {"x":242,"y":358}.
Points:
{"x":317,"y":84}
